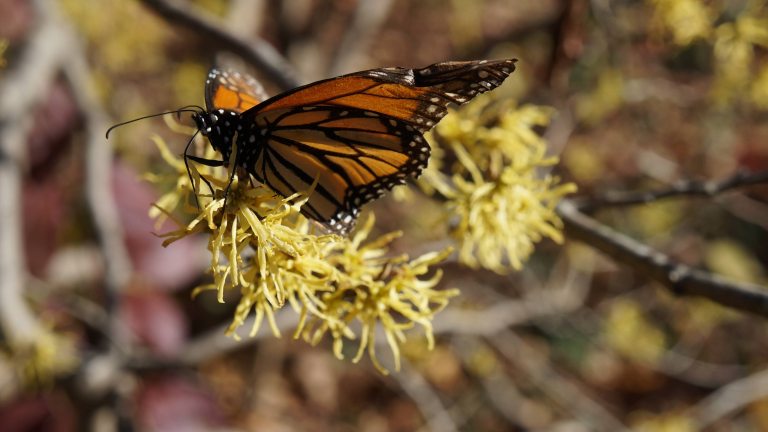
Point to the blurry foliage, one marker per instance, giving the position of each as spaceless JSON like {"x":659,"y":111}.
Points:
{"x":628,"y":331}
{"x":735,"y":35}
{"x":730,"y":259}
{"x":642,"y":104}
{"x":658,"y":219}
{"x":121,"y":46}
{"x":3,"y":47}
{"x":605,"y":99}
{"x":53,"y":354}
{"x":665,"y":422}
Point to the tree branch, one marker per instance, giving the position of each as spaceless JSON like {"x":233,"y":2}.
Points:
{"x":560,"y":388}
{"x":22,"y":88}
{"x":98,"y":188}
{"x":730,"y":398}
{"x":691,"y":188}
{"x":256,"y":51}
{"x":679,"y":278}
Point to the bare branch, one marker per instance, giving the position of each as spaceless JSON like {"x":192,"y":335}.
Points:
{"x":426,"y":399}
{"x":370,"y":15}
{"x":679,"y":278}
{"x":563,"y":297}
{"x":730,"y":398}
{"x":100,"y":198}
{"x":211,"y":344}
{"x":561,"y":389}
{"x":256,"y":51}
{"x":690,"y":188}
{"x":22,"y":88}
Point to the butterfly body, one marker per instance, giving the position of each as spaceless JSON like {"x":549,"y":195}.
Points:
{"x":353,"y":137}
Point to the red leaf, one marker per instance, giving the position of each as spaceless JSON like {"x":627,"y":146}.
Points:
{"x":156,"y":320}
{"x":174,"y":404}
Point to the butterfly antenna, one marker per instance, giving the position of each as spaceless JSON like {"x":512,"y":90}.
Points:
{"x":177,"y":112}
{"x":197,"y":109}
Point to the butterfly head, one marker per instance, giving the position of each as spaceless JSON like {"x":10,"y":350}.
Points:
{"x":205,"y":121}
{"x":219,"y":127}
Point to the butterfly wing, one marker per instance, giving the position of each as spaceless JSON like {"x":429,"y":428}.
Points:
{"x":232,"y":91}
{"x":357,"y":135}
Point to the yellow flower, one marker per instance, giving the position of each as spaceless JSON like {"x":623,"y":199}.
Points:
{"x":501,"y":220}
{"x":3,"y":47}
{"x":503,"y":206}
{"x":686,"y":20}
{"x":264,"y":248}
{"x":39,"y":361}
{"x":376,"y":290}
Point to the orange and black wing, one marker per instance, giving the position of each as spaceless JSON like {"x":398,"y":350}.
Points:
{"x":357,"y":135}
{"x":232,"y":91}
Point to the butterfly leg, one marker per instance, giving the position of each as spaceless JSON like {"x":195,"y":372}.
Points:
{"x":202,"y":161}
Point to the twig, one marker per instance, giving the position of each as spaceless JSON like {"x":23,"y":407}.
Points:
{"x":568,"y":296}
{"x":211,"y":344}
{"x":501,"y":391}
{"x":21,"y":90}
{"x":255,"y":51}
{"x":690,"y":188}
{"x":732,"y":397}
{"x":426,"y":399}
{"x":679,"y":278}
{"x":675,"y":362}
{"x":559,"y":388}
{"x":369,"y":17}
{"x":99,"y":195}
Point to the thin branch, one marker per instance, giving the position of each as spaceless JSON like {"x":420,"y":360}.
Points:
{"x":22,"y":88}
{"x":679,"y":278}
{"x":690,"y":188}
{"x":501,"y":390}
{"x":730,"y":398}
{"x":565,"y":296}
{"x":98,"y":188}
{"x":561,"y":389}
{"x":211,"y":345}
{"x":255,"y":51}
{"x":370,"y":15}
{"x":426,"y":399}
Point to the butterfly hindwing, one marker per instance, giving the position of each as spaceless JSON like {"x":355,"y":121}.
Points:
{"x":353,"y":155}
{"x":353,"y":137}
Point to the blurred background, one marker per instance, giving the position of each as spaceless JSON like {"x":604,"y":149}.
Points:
{"x":647,"y":93}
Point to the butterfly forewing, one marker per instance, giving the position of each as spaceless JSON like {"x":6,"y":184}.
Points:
{"x":353,"y":137}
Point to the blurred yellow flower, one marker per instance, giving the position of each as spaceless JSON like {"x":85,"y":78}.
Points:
{"x":737,"y":78}
{"x":39,"y":361}
{"x":759,"y":89}
{"x":686,"y":20}
{"x":3,"y":48}
{"x":644,"y":421}
{"x":629,"y":332}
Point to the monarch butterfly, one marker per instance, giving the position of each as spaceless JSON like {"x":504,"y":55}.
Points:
{"x":353,"y":137}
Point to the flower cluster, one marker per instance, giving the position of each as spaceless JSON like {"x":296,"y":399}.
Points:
{"x":262,"y":247}
{"x":735,"y":37}
{"x":503,"y":204}
{"x":48,"y":354}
